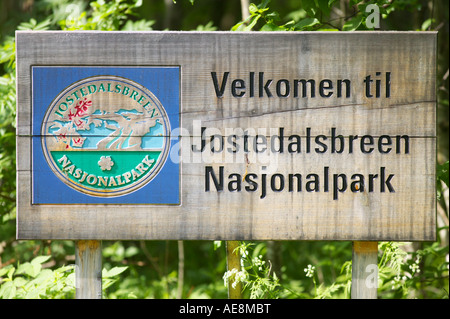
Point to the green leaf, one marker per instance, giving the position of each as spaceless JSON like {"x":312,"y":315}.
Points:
{"x":29,"y":269}
{"x":140,"y":25}
{"x":131,"y":251}
{"x":324,"y":6}
{"x":7,"y":270}
{"x":271,"y":27}
{"x":251,"y":25}
{"x":353,"y":23}
{"x":253,"y":9}
{"x":217,"y":244}
{"x":207,"y":27}
{"x":326,"y":29}
{"x":305,"y":23}
{"x":20,"y":281}
{"x":310,"y":7}
{"x":113,"y":272}
{"x":40,"y":260}
{"x":426,"y":24}
{"x":442,"y":173}
{"x":34,"y":25}
{"x":8,"y":290}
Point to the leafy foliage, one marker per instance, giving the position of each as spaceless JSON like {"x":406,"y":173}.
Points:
{"x":30,"y":280}
{"x":317,"y":15}
{"x":105,"y":16}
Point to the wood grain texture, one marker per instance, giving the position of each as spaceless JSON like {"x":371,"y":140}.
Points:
{"x":88,"y":271}
{"x":364,"y":270}
{"x":407,"y":213}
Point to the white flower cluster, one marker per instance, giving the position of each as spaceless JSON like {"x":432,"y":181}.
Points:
{"x":309,"y":271}
{"x":258,"y":262}
{"x":400,"y":280}
{"x":238,"y":276}
{"x":415,"y":266}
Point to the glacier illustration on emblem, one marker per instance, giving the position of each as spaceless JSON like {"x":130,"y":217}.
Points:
{"x":88,"y":127}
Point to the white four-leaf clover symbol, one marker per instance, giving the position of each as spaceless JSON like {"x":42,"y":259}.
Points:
{"x":105,"y":163}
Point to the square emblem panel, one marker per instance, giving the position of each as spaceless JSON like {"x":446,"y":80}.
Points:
{"x":102,"y":135}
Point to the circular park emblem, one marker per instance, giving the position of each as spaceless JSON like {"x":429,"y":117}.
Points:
{"x":106,"y":136}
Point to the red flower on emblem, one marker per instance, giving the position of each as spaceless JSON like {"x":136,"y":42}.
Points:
{"x":82,"y":107}
{"x":78,"y":141}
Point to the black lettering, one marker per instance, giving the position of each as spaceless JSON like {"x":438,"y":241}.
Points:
{"x":388,"y":84}
{"x":213,"y":148}
{"x":357,"y":185}
{"x":304,"y":89}
{"x":219,"y":92}
{"x":246,"y":142}
{"x":263,"y":143}
{"x":280,"y":138}
{"x":364,"y":144}
{"x":295,"y":144}
{"x":291,"y":182}
{"x":308,"y":139}
{"x":378,"y":85}
{"x":381,"y":143}
{"x":273,"y":183}
{"x":238,"y":85}
{"x":237,"y":183}
{"x":336,"y":187}
{"x":368,"y":81}
{"x":347,"y":88}
{"x":398,"y":139}
{"x":333,"y":141}
{"x":250,"y":179}
{"x":386,"y":182}
{"x":202,"y":143}
{"x":264,"y":87}
{"x":351,"y":138}
{"x":233,"y":142}
{"x":263,"y":186}
{"x":252,"y":84}
{"x":314,"y":182}
{"x":325,"y":85}
{"x":209,"y":172}
{"x":323,"y":145}
{"x":371,"y":181}
{"x":286,"y":88}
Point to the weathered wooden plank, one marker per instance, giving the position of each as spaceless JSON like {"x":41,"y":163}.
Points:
{"x":367,"y":163}
{"x":88,"y":271}
{"x":364,"y":270}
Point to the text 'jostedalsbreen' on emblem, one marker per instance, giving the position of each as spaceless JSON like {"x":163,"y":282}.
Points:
{"x":106,"y":136}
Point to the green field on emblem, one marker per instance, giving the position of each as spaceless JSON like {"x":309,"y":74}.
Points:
{"x":105,"y":169}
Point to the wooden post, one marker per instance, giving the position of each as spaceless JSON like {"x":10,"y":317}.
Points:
{"x":364,"y":270}
{"x":233,"y":262}
{"x":180,"y":269}
{"x":88,"y":269}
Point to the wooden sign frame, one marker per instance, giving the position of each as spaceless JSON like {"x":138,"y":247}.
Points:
{"x":273,"y":136}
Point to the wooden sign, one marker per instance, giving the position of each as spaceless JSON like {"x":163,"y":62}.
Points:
{"x":224,"y":135}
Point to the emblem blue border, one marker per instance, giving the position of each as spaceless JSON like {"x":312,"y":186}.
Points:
{"x":49,"y":81}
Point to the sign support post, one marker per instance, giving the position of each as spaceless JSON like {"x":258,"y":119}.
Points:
{"x":233,"y":262}
{"x":364,"y":270}
{"x":88,"y":269}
